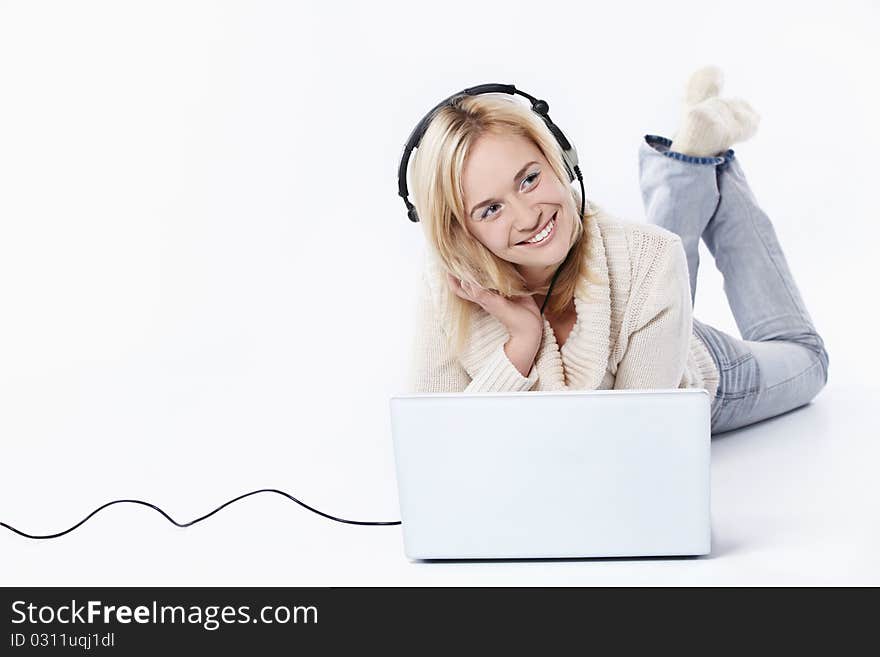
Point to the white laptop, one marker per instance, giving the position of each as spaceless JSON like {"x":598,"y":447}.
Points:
{"x":544,"y":474}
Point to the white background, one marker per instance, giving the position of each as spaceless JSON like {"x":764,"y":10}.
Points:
{"x":207,"y":278}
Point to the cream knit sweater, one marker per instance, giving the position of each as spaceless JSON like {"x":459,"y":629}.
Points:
{"x":633,"y":330}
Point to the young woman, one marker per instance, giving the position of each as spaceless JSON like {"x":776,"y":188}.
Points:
{"x":489,"y":185}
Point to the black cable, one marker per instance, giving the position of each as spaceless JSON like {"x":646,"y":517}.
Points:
{"x":577,"y":172}
{"x":192,"y":522}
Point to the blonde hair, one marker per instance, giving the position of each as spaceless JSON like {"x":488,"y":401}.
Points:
{"x":438,"y":196}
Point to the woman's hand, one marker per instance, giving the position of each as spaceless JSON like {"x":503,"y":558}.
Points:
{"x":520,"y":315}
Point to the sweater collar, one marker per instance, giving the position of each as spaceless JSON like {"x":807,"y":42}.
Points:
{"x":585,"y":352}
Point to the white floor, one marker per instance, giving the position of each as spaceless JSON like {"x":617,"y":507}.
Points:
{"x":794,"y":502}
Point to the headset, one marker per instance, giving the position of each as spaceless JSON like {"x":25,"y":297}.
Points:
{"x":540,"y":107}
{"x":569,"y":156}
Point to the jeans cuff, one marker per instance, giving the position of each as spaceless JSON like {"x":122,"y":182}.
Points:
{"x":662,"y":144}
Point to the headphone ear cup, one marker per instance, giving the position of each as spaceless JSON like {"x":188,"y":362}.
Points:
{"x":569,"y":153}
{"x":571,"y":160}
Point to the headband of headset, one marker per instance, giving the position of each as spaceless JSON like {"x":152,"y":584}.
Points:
{"x":540,"y":107}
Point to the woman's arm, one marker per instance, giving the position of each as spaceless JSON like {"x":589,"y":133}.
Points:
{"x":433,"y":367}
{"x":659,"y":339}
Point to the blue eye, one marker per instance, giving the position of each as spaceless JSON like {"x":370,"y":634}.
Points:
{"x":483,"y":215}
{"x":532,"y":176}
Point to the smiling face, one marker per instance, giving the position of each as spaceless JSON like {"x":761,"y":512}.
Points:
{"x":511,"y":194}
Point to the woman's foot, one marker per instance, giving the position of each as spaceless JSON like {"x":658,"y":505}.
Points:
{"x":710,"y":124}
{"x":704,"y":83}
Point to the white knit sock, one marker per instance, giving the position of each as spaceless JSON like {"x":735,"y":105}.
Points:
{"x":704,"y":83}
{"x":709,"y":124}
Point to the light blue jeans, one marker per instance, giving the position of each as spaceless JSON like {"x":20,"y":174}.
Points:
{"x":780,"y":363}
